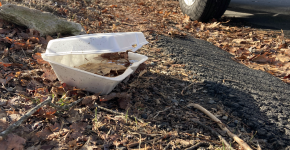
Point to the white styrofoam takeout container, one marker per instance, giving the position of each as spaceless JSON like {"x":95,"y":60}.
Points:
{"x":66,"y":53}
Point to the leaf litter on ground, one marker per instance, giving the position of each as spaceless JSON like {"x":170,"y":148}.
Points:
{"x":145,"y":94}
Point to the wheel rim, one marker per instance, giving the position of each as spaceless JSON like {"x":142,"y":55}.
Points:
{"x":189,"y":2}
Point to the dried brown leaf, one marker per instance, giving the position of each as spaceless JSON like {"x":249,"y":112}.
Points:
{"x":186,"y":18}
{"x":48,"y":38}
{"x":286,"y":51}
{"x":287,"y":77}
{"x":55,"y":128}
{"x":213,"y":25}
{"x":262,"y":59}
{"x":7,"y":79}
{"x":43,"y":134}
{"x":282,"y":58}
{"x":239,"y":41}
{"x":87,"y":100}
{"x":142,"y":72}
{"x":13,"y":142}
{"x":77,"y":129}
{"x":102,"y":68}
{"x":5,"y":31}
{"x":123,"y":101}
{"x":39,"y":59}
{"x":48,"y":74}
{"x":202,"y":26}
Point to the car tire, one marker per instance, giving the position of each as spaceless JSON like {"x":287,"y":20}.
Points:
{"x":204,"y":10}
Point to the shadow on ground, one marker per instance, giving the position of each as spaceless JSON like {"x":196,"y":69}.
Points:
{"x":244,"y":116}
{"x":258,"y":98}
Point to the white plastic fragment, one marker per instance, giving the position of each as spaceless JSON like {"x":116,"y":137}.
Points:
{"x":67,"y":53}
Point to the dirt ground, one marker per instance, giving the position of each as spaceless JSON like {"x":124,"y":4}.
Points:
{"x":152,"y":109}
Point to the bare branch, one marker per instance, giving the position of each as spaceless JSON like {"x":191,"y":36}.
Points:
{"x":66,"y":107}
{"x":198,"y":145}
{"x":223,"y":127}
{"x":214,"y":132}
{"x":118,"y":113}
{"x":24,"y":117}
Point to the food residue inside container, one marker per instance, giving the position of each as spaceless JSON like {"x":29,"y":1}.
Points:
{"x":110,"y":65}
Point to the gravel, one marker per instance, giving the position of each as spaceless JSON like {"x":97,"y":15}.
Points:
{"x":259,"y":99}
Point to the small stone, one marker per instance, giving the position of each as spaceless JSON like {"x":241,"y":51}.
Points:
{"x":211,"y":91}
{"x":10,"y":89}
{"x":232,"y":124}
{"x":168,"y":129}
{"x":158,"y":101}
{"x":211,"y":101}
{"x":231,"y":95}
{"x":144,"y":116}
{"x":208,"y":85}
{"x":121,"y":148}
{"x":262,"y":132}
{"x":104,"y":128}
{"x":193,"y":134}
{"x":181,"y":100}
{"x":165,"y":64}
{"x":71,"y":8}
{"x":159,"y":126}
{"x":152,"y":63}
{"x":243,"y":130}
{"x":235,"y":105}
{"x":235,"y":113}
{"x":19,"y":88}
{"x":175,"y":101}
{"x":163,"y":125}
{"x":89,"y":126}
{"x":225,"y":117}
{"x":204,"y":91}
{"x":236,"y":121}
{"x":91,"y":9}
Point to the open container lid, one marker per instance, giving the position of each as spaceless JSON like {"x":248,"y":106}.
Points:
{"x":96,"y":43}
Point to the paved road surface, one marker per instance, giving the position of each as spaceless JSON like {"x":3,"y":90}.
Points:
{"x":265,"y":14}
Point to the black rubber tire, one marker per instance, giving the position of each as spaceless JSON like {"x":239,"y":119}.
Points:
{"x":221,"y":8}
{"x":204,"y":10}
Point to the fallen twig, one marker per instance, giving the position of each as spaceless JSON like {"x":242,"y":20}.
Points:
{"x":167,"y":146}
{"x":223,"y":127}
{"x":118,"y":113}
{"x":140,"y":138}
{"x":259,"y":147}
{"x":24,"y":117}
{"x":187,"y":87}
{"x":146,"y":142}
{"x":65,"y":107}
{"x":230,"y":80}
{"x":159,"y":93}
{"x":198,"y":145}
{"x":214,"y":132}
{"x":161,"y":111}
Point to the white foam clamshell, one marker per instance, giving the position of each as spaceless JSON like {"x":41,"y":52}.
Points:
{"x":65,"y":54}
